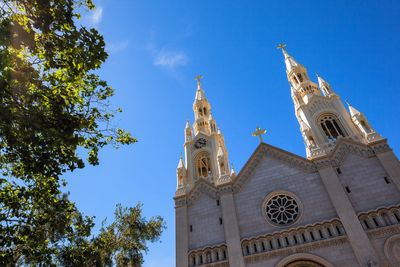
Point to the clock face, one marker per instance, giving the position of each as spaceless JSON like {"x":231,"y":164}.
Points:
{"x":201,"y":142}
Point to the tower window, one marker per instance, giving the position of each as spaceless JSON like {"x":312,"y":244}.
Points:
{"x":348,"y":189}
{"x":220,"y":220}
{"x":300,"y":77}
{"x":222,"y":167}
{"x":217,"y":202}
{"x":339,"y":171}
{"x":205,"y":111}
{"x":191,"y":228}
{"x":294,"y":79}
{"x":200,"y":112}
{"x":203,"y":166}
{"x":331,"y":127}
{"x":386,"y":179}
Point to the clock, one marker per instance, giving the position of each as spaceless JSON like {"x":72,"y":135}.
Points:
{"x":201,"y":142}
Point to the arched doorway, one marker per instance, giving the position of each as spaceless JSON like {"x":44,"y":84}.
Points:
{"x":303,"y":263}
{"x":304,"y":260}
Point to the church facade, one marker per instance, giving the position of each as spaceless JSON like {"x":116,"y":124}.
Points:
{"x":339,"y":206}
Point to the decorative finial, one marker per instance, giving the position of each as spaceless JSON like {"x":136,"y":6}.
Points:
{"x":259,"y":132}
{"x":198,"y":78}
{"x":316,"y":73}
{"x":347,"y":102}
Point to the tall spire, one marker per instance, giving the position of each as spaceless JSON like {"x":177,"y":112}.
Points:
{"x":289,"y":60}
{"x":202,"y":111}
{"x":361,"y":122}
{"x":303,"y":88}
{"x":200,"y":92}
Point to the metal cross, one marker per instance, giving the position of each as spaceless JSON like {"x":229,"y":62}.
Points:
{"x":281,"y":46}
{"x":198,"y":78}
{"x":259,"y":132}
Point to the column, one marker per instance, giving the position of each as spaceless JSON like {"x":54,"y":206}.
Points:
{"x":231,"y":229}
{"x":181,"y":232}
{"x":358,"y":239}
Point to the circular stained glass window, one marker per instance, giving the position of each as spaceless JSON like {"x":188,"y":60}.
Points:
{"x":282,"y":209}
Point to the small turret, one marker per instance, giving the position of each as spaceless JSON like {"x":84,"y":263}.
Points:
{"x":233,"y":173}
{"x":181,"y":173}
{"x":362,"y":124}
{"x":188,"y":132}
{"x":324,"y":86}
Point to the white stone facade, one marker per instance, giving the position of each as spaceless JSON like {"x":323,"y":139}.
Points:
{"x":338,"y":207}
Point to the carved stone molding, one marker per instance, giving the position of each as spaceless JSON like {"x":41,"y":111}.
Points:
{"x":202,"y":187}
{"x":344,"y":147}
{"x":381,"y":146}
{"x":337,"y":241}
{"x":180,"y":201}
{"x":292,"y":230}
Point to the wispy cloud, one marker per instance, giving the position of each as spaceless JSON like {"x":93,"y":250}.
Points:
{"x":113,"y":48}
{"x":96,"y":16}
{"x":170,"y":59}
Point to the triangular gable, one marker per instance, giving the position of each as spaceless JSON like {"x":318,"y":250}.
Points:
{"x":265,"y":149}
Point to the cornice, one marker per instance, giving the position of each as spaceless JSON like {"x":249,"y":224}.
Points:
{"x":377,"y":210}
{"x":344,"y":147}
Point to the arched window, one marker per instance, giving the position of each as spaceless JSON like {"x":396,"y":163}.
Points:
{"x":180,"y":180}
{"x":205,"y":111}
{"x":200,"y":111}
{"x":331,"y":126}
{"x":222,"y":167}
{"x":294,"y":79}
{"x":203,"y":165}
{"x":300,"y":77}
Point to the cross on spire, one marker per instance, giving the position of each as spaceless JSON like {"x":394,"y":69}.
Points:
{"x":259,"y":132}
{"x":198,"y":78}
{"x":281,"y":46}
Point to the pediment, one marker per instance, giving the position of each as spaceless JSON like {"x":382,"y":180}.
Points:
{"x":266,"y":150}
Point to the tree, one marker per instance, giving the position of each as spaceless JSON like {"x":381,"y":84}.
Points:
{"x":52,"y":103}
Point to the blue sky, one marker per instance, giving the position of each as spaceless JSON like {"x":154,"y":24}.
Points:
{"x":157,"y":48}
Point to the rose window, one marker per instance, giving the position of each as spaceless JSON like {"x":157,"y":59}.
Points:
{"x":282,"y":209}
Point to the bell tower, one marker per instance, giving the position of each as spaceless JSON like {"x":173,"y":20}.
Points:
{"x":206,"y":156}
{"x":321,"y":114}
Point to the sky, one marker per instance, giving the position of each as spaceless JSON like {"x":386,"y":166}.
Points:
{"x":157,"y":47}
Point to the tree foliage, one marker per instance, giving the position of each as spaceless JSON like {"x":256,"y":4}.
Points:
{"x":52,"y":103}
